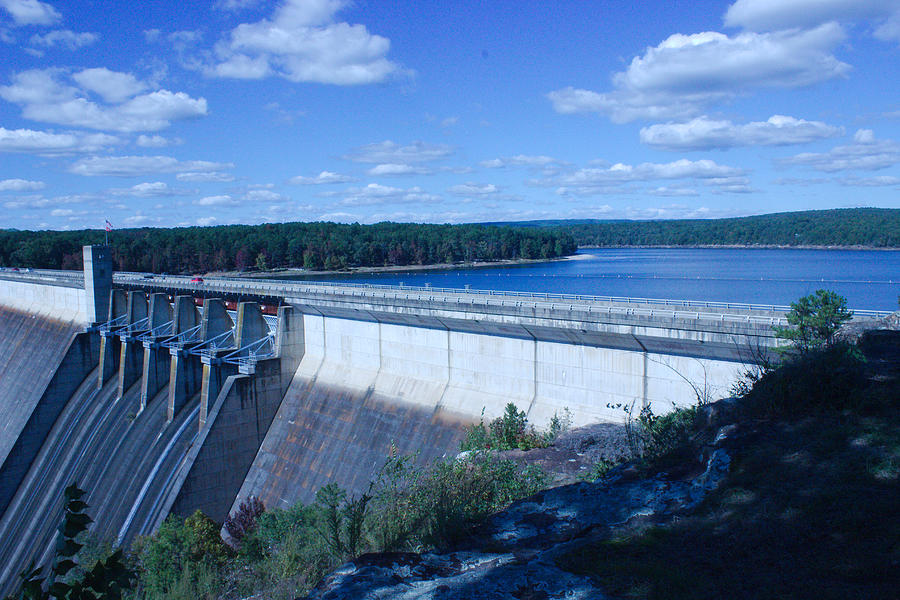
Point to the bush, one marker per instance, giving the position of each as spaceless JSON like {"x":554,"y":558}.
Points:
{"x":832,"y":378}
{"x":183,"y":559}
{"x":814,"y":320}
{"x":243,"y":520}
{"x":512,"y":431}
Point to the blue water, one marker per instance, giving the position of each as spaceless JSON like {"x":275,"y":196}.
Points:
{"x":868,"y":279}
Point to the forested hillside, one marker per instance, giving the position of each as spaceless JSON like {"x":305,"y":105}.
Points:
{"x":309,"y":245}
{"x":875,"y":227}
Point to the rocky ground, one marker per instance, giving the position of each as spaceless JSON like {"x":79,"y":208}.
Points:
{"x":514,"y":555}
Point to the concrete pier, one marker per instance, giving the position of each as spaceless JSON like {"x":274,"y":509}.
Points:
{"x":156,"y":356}
{"x":131,"y":354}
{"x":185,"y":371}
{"x":215,"y":332}
{"x":109,"y":337}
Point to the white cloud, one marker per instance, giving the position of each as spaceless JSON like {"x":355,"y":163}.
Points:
{"x":704,"y":133}
{"x":31,"y":12}
{"x":880,"y":180}
{"x":156,"y":141}
{"x":388,"y":152}
{"x":64,"y":39}
{"x":137,"y":220}
{"x":136,"y":166}
{"x":42,"y":142}
{"x":302,"y":41}
{"x":673,"y":191}
{"x":224,"y":200}
{"x":375,"y":193}
{"x":62,"y":212}
{"x":200,"y":177}
{"x":155,"y":189}
{"x":768,"y":15}
{"x":20,"y":185}
{"x":325,"y":177}
{"x":474,"y":189}
{"x":264,"y":196}
{"x":236,"y":4}
{"x":391,"y":169}
{"x":685,"y":73}
{"x":45,"y":98}
{"x":112,"y":86}
{"x":206,"y":221}
{"x":520,"y":160}
{"x":865,"y":153}
{"x":605,"y":180}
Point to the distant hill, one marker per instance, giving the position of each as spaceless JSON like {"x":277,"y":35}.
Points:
{"x":869,"y":227}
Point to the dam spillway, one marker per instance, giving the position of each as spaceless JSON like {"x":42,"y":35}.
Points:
{"x":161,"y":395}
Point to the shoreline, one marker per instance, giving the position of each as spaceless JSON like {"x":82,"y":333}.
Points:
{"x":295,"y":273}
{"x":298,"y":273}
{"x":739,"y":247}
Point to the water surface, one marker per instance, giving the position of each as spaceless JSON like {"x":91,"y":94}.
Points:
{"x":869,"y":279}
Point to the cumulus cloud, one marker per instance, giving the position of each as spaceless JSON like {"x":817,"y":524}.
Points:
{"x":474,"y":189}
{"x":223,"y":200}
{"x":155,"y":189}
{"x":45,"y":97}
{"x":392,"y":169}
{"x":197,"y":177}
{"x":156,"y":141}
{"x":303,"y":41}
{"x":64,"y":38}
{"x":31,"y":12}
{"x":375,"y":193}
{"x":685,"y":73}
{"x":388,"y":152}
{"x":20,"y":185}
{"x":877,"y":181}
{"x":704,"y":133}
{"x":265,"y":196}
{"x":136,"y":166}
{"x":43,"y":142}
{"x":768,"y":15}
{"x":325,"y":177}
{"x":520,"y":160}
{"x":598,"y":180}
{"x":866,"y":153}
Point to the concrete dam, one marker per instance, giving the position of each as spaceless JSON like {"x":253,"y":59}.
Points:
{"x":159,"y":395}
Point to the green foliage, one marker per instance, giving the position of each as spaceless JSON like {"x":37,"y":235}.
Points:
{"x":652,"y":437}
{"x":512,"y":430}
{"x":875,"y":227}
{"x":277,"y":245}
{"x":814,"y":320}
{"x":182,"y":556}
{"x":830,"y":378}
{"x":106,"y":579}
{"x":454,"y":494}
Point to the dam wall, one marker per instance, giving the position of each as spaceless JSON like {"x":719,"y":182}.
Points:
{"x":51,"y":299}
{"x":370,"y":384}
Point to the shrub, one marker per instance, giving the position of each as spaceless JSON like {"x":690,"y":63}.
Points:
{"x":814,"y":320}
{"x":827,"y":379}
{"x":512,"y":430}
{"x":243,"y":520}
{"x":183,"y":555}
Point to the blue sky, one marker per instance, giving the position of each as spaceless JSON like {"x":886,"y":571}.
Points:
{"x":245,"y":111}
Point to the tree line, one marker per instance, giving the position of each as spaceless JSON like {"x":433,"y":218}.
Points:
{"x":871,"y":227}
{"x":272,"y":245}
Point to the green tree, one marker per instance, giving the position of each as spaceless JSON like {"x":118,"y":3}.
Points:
{"x":814,"y":320}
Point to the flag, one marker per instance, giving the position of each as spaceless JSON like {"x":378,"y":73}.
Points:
{"x":108,"y":225}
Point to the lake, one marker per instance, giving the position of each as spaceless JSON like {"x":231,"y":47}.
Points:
{"x":869,"y":279}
